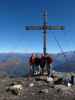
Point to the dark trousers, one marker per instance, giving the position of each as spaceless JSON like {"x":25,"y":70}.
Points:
{"x":33,"y":69}
{"x":42,"y":71}
{"x":42,"y":68}
{"x":48,"y":69}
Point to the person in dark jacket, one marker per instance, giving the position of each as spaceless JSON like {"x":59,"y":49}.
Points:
{"x":42,"y":63}
{"x":37,"y":64}
{"x":48,"y":61}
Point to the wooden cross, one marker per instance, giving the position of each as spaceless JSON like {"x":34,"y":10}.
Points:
{"x":44,"y":27}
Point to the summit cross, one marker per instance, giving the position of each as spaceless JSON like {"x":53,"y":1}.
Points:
{"x":45,"y":27}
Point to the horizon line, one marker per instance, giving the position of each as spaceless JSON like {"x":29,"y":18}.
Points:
{"x":16,"y":52}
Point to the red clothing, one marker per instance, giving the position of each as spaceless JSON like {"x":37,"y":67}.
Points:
{"x":42,"y":59}
{"x":49,"y":60}
{"x":32,"y":60}
{"x":42,"y":62}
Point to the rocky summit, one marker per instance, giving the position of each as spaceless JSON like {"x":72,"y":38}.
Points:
{"x":34,"y":88}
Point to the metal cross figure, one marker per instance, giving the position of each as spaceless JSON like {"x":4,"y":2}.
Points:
{"x":44,"y":27}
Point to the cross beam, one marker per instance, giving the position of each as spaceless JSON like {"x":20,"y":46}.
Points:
{"x":44,"y":27}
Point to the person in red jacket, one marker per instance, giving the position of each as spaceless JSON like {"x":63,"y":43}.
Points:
{"x":48,"y":61}
{"x":32,"y":62}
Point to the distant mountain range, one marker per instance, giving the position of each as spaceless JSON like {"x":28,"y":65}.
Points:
{"x":64,"y":62}
{"x":17,"y":63}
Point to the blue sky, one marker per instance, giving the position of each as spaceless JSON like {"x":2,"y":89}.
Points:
{"x":15,"y":14}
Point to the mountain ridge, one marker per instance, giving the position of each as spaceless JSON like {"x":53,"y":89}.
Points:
{"x":17,"y":63}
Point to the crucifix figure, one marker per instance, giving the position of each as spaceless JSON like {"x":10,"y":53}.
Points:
{"x":44,"y":27}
